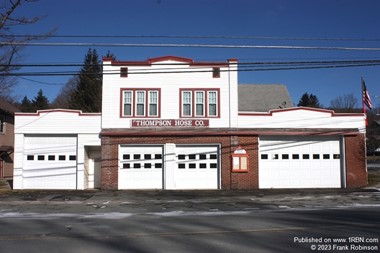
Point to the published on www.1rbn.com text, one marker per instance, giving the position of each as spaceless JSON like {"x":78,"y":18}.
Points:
{"x":329,"y":244}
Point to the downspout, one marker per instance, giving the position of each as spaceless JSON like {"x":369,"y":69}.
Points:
{"x":230,"y":118}
{"x":343,"y":170}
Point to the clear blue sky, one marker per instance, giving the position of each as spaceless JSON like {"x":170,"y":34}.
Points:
{"x":354,"y":19}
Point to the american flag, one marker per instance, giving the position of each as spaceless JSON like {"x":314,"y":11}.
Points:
{"x":366,"y":98}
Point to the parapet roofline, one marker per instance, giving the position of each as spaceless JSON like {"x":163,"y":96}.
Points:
{"x":301,"y":108}
{"x":175,"y":59}
{"x":39,"y":112}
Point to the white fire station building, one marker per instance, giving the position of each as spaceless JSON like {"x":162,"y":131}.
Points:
{"x":175,"y":123}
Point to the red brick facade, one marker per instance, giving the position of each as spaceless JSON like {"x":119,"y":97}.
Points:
{"x":356,"y":174}
{"x":354,"y":146}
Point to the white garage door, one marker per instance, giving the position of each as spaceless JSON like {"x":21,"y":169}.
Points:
{"x":197,"y":167}
{"x":141,"y":167}
{"x":50,"y":162}
{"x":299,"y":162}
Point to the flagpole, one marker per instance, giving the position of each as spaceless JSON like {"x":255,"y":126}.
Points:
{"x":363,"y":103}
{"x":365,"y":129}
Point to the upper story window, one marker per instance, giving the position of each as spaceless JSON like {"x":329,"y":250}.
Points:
{"x":140,"y":103}
{"x":216,"y":72}
{"x":123,"y":72}
{"x":199,"y":102}
{"x":212,"y":103}
{"x":186,"y":103}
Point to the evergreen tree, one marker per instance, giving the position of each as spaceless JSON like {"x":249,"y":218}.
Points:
{"x":110,"y":55}
{"x":87,"y":96}
{"x":26,"y":105}
{"x":309,"y":101}
{"x":40,"y":102}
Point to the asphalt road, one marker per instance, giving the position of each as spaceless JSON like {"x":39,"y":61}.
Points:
{"x":290,"y":230}
{"x":190,"y":221}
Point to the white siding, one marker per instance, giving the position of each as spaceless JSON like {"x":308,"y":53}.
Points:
{"x":57,"y":121}
{"x":170,"y":85}
{"x":48,"y":123}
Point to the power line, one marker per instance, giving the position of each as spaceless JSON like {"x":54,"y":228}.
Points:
{"x":176,"y":45}
{"x":192,"y":37}
{"x":40,"y":82}
{"x":197,"y":70}
{"x":240,"y":64}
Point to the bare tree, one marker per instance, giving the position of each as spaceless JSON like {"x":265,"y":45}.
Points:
{"x":63,"y":98}
{"x":11,"y":44}
{"x":345,"y":103}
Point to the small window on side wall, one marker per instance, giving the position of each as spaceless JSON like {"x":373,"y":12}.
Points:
{"x":216,"y":72}
{"x":123,"y":72}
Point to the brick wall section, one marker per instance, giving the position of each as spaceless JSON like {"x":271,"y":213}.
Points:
{"x":229,"y":180}
{"x":109,"y":171}
{"x":247,"y":180}
{"x":356,"y":173}
{"x":354,"y":145}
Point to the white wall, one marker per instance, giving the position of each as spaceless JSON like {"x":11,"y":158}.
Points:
{"x":170,"y":84}
{"x":55,"y":122}
{"x":302,"y":118}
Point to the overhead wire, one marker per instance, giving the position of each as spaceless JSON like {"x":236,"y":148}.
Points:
{"x":183,"y":45}
{"x":192,"y":37}
{"x":242,"y":67}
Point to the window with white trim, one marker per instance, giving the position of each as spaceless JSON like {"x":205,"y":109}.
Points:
{"x":186,"y":103}
{"x":212,"y":103}
{"x":199,"y":103}
{"x":127,"y":103}
{"x":153,"y":103}
{"x":140,"y":103}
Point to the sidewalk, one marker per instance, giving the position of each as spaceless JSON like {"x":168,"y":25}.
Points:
{"x":183,"y":201}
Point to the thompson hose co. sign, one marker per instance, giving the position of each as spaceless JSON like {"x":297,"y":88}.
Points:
{"x":170,"y":123}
